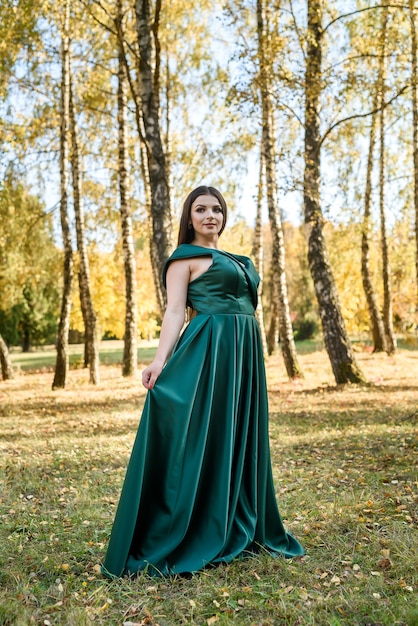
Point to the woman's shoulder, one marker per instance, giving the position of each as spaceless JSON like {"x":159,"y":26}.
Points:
{"x":185,"y":251}
{"x":245,"y":260}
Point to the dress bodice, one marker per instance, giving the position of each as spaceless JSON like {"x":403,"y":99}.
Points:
{"x":228,"y":286}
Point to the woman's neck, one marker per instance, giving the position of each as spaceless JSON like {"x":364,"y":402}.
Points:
{"x":206,"y":243}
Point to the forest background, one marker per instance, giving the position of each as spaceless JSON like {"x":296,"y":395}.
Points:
{"x":304,"y":114}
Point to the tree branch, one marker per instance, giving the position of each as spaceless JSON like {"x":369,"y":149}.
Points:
{"x":362,"y":115}
{"x":299,"y":36}
{"x":376,"y":6}
{"x":96,"y":19}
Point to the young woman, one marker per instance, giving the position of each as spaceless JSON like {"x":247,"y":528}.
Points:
{"x":199,"y":488}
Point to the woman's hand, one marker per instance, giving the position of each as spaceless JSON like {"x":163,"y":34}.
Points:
{"x":150,"y":374}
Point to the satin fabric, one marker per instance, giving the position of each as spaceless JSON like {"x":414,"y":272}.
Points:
{"x":199,"y":487}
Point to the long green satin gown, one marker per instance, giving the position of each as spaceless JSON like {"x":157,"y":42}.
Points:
{"x":199,"y":487}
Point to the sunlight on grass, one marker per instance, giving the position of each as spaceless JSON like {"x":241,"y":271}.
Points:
{"x":344,"y":463}
{"x":110,"y":353}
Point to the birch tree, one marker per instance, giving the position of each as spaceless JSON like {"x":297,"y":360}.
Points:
{"x":147,"y":27}
{"x":375,"y":317}
{"x":336,"y":340}
{"x":88,"y":312}
{"x":258,"y":255}
{"x":414,"y":102}
{"x":387,"y":287}
{"x":5,"y":361}
{"x":279,"y":282}
{"x":131,"y":310}
{"x":62,"y":361}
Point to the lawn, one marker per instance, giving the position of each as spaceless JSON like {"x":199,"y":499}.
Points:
{"x":344,"y":461}
{"x":110,"y":353}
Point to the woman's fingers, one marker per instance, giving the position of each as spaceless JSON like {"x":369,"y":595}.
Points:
{"x":150,"y":375}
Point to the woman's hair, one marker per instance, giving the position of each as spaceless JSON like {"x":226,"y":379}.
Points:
{"x":186,"y":233}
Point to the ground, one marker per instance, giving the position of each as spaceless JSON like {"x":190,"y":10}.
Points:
{"x":344,"y":462}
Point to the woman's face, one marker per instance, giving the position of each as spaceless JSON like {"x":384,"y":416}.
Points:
{"x":206,"y":217}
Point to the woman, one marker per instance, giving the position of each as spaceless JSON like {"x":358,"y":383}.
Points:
{"x":199,"y":488}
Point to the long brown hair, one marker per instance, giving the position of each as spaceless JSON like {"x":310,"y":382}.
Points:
{"x":186,"y":234}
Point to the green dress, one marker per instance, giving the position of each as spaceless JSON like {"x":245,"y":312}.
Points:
{"x":199,"y":488}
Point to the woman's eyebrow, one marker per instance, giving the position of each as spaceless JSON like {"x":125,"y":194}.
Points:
{"x":205,"y":205}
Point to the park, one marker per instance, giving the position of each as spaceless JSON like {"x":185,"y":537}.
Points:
{"x":120,"y":121}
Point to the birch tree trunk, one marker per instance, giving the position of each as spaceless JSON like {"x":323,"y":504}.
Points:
{"x":278,"y":260}
{"x":148,"y":89}
{"x":153,"y":250}
{"x":376,"y":321}
{"x":414,"y":81}
{"x":279,"y":282}
{"x":62,"y":361}
{"x":89,"y":315}
{"x":258,"y":256}
{"x":336,"y":340}
{"x":134,"y":88}
{"x":387,"y":287}
{"x":5,"y":361}
{"x":131,"y":310}
{"x":273,"y":331}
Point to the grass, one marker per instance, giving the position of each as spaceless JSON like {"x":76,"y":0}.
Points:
{"x":344,"y":461}
{"x":110,"y":353}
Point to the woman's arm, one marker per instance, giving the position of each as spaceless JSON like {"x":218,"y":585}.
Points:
{"x":178,"y":277}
